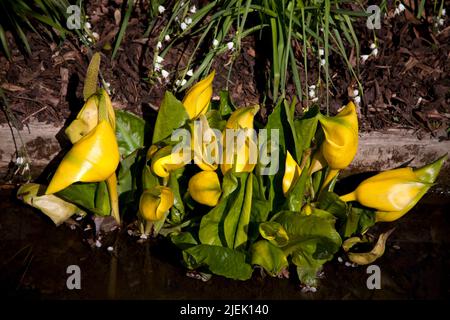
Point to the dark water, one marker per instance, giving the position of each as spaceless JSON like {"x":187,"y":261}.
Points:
{"x":34,"y":256}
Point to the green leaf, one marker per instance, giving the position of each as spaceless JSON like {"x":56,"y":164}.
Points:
{"x":359,"y":220}
{"x":54,"y":207}
{"x":219,"y":260}
{"x":102,"y":203}
{"x":274,"y":232}
{"x":177,"y":211}
{"x":268,"y":256}
{"x":330,"y":201}
{"x":82,"y":194}
{"x":226,"y":106}
{"x":183,"y":240}
{"x":305,"y":128}
{"x":171,"y":116}
{"x":130,"y":132}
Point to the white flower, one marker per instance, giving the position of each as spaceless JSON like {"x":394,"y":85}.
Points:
{"x":89,"y":39}
{"x":164,"y":73}
{"x":161,"y":9}
{"x":159,"y":59}
{"x":177,"y":83}
{"x":322,"y":62}
{"x":158,"y":66}
{"x":87,"y":25}
{"x":375,"y":52}
{"x":401,"y":7}
{"x":364,"y":57}
{"x":396,"y":11}
{"x":312,"y":93}
{"x":190,"y":73}
{"x":373,"y":46}
{"x":321,"y":52}
{"x":159,"y":45}
{"x":176,"y":19}
{"x":357,"y":99}
{"x":441,"y":22}
{"x":110,"y":249}
{"x":315,"y":99}
{"x":167,"y":37}
{"x":19,"y":161}
{"x":313,"y":86}
{"x":107,"y":85}
{"x":355,"y":92}
{"x":95,"y":35}
{"x":183,"y":82}
{"x":183,"y":26}
{"x":193,"y":9}
{"x":443,"y":12}
{"x":188,"y":20}
{"x":215,"y":43}
{"x":230,"y":45}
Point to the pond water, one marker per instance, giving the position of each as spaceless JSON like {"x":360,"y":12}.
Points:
{"x":34,"y":256}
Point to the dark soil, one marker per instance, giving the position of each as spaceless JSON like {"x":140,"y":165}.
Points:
{"x":34,"y":256}
{"x":407,"y":85}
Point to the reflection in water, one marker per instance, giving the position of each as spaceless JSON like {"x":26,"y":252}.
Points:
{"x":34,"y":256}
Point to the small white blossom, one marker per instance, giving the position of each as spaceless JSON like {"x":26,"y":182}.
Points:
{"x":193,"y":9}
{"x":19,"y":161}
{"x":110,"y":249}
{"x":143,"y":236}
{"x":161,"y":9}
{"x":441,"y":22}
{"x":396,"y":11}
{"x":321,"y":52}
{"x":183,"y":26}
{"x":190,"y":73}
{"x":313,"y":86}
{"x":188,"y":20}
{"x":89,"y":39}
{"x":107,"y":84}
{"x":443,"y":12}
{"x":375,"y":52}
{"x":357,"y":99}
{"x":98,"y":244}
{"x":164,"y":73}
{"x":158,"y":66}
{"x":159,"y":45}
{"x":215,"y":43}
{"x":159,"y":59}
{"x":315,"y":99}
{"x":312,"y":94}
{"x":177,"y":19}
{"x":178,"y":83}
{"x":167,"y":37}
{"x":364,"y":57}
{"x":340,"y":260}
{"x":355,"y":92}
{"x":183,"y":82}
{"x":322,"y":62}
{"x":87,"y":25}
{"x":401,"y":7}
{"x":95,"y":35}
{"x":373,"y":46}
{"x":230,"y":45}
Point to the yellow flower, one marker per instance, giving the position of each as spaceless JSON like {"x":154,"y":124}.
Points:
{"x":155,"y":203}
{"x":93,"y":158}
{"x":341,"y":138}
{"x":204,"y":187}
{"x":164,"y":161}
{"x":198,"y":97}
{"x":394,"y":192}
{"x":205,"y":145}
{"x":242,"y":118}
{"x":292,"y":172}
{"x":241,"y":158}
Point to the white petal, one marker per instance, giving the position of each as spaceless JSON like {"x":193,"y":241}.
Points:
{"x":159,"y":59}
{"x":190,"y":73}
{"x":215,"y":42}
{"x":183,"y":82}
{"x":159,"y":45}
{"x":193,"y":9}
{"x":167,"y":37}
{"x":321,"y":52}
{"x":164,"y":73}
{"x":161,"y":9}
{"x":230,"y":45}
{"x":183,"y":26}
{"x":375,"y":52}
{"x":188,"y":20}
{"x":401,"y":7}
{"x":373,"y":46}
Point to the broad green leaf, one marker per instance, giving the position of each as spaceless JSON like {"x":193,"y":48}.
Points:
{"x":260,"y":209}
{"x":171,"y":116}
{"x":130,"y":132}
{"x":305,"y":128}
{"x":359,"y":220}
{"x":274,"y":232}
{"x":211,"y":226}
{"x":84,"y":195}
{"x":330,"y":202}
{"x":219,"y":260}
{"x":183,"y":240}
{"x":215,"y":120}
{"x":226,"y":106}
{"x":102,"y":203}
{"x":268,"y":256}
{"x":54,"y":207}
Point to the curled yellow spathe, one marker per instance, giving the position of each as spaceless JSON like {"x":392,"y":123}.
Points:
{"x":292,"y":172}
{"x":392,"y":193}
{"x":93,"y":158}
{"x":165,"y":161}
{"x":205,"y":145}
{"x":155,"y":203}
{"x":204,"y":187}
{"x":85,"y":121}
{"x":242,"y":118}
{"x":341,"y":137}
{"x":198,"y":97}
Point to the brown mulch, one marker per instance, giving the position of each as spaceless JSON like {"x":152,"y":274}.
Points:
{"x":407,"y":85}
